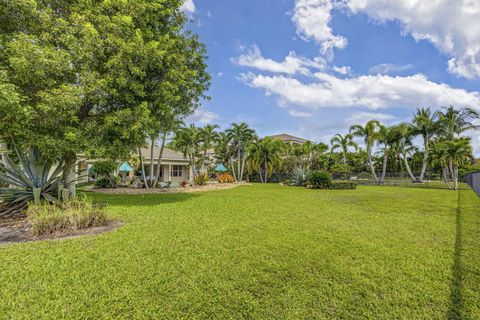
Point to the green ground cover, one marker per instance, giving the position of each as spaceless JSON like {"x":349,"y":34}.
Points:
{"x":262,"y":251}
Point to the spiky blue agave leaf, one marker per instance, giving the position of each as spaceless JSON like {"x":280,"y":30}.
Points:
{"x":32,"y":171}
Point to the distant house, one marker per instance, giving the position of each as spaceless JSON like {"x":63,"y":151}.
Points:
{"x":175,"y":167}
{"x":287,"y":138}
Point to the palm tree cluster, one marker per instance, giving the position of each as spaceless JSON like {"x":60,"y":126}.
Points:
{"x":242,"y":151}
{"x":441,"y":135}
{"x":384,"y":148}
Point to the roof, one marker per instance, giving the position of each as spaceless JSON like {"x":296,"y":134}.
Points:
{"x":288,"y":138}
{"x":168,"y":154}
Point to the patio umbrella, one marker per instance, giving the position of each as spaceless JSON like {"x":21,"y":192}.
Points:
{"x":125,"y":167}
{"x":221,"y":168}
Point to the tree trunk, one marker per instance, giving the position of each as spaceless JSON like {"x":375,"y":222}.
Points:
{"x":232,"y":164}
{"x":445,"y":177}
{"x":244,"y":159}
{"x":455,"y":177}
{"x":152,"y":145}
{"x":410,"y":173}
{"x":159,"y":162}
{"x":142,"y":166}
{"x":384,"y":167}
{"x":266,"y":171}
{"x":69,"y":174}
{"x":239,"y":159}
{"x":370,"y":163}
{"x":425,"y":158}
{"x":260,"y":172}
{"x":203,"y":159}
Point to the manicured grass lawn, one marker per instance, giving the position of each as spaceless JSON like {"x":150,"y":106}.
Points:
{"x":259,"y":252}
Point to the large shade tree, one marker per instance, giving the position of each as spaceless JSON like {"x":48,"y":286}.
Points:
{"x":96,"y":76}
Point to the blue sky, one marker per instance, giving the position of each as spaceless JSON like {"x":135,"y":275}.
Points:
{"x":314,"y":67}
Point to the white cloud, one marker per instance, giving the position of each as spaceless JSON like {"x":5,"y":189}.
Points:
{"x":203,"y":117}
{"x":188,"y":7}
{"x":299,"y":114}
{"x":291,"y":65}
{"x":451,"y":26}
{"x":312,"y":19}
{"x":388,"y":68}
{"x":345,"y":70}
{"x":370,"y":91}
{"x":363,"y":117}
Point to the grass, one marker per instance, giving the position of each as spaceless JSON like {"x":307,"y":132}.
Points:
{"x":263,"y":252}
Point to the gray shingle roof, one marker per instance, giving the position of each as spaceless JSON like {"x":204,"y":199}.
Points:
{"x":168,"y":154}
{"x":287,"y":137}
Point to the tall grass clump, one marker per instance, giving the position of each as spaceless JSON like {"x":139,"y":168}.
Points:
{"x":72,"y":215}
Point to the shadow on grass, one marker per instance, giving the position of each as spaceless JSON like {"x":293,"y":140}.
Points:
{"x":140,"y":200}
{"x":456,"y":287}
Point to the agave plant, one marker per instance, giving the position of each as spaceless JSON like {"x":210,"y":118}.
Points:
{"x":32,"y":179}
{"x":300,"y":175}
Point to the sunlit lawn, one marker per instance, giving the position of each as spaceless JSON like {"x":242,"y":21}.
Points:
{"x":260,"y":252}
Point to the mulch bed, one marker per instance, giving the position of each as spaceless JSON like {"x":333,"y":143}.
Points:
{"x":18,"y":229}
{"x":208,"y":187}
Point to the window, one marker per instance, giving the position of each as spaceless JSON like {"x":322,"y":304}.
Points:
{"x":177,"y":171}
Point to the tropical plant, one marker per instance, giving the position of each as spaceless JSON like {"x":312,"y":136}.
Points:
{"x":453,"y":122}
{"x":208,"y":138}
{"x":264,"y":156}
{"x":424,"y":124}
{"x":201,"y":179}
{"x":320,"y":180}
{"x":104,"y":171}
{"x":404,"y":146}
{"x":343,"y":143}
{"x":450,"y":155}
{"x":300,"y":175}
{"x":225,"y":178}
{"x":387,"y":136}
{"x":222,"y":148}
{"x":369,"y":133}
{"x":240,"y":136}
{"x":32,"y":179}
{"x":187,"y":141}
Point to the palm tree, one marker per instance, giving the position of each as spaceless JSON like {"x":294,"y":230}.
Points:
{"x":343,"y":143}
{"x":208,"y":137}
{"x":453,"y":122}
{"x":405,"y":145}
{"x":439,"y":156}
{"x":265,"y":155}
{"x":240,"y":136}
{"x":222,"y":148}
{"x":388,"y":136}
{"x":451,"y":154}
{"x":424,"y":124}
{"x":187,"y":140}
{"x":369,"y":133}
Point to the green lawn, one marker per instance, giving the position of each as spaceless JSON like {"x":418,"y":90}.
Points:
{"x":263,"y":252}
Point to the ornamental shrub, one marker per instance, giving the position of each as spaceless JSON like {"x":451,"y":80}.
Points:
{"x":225,"y":178}
{"x":201,"y":179}
{"x":320,"y":180}
{"x":344,"y":185}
